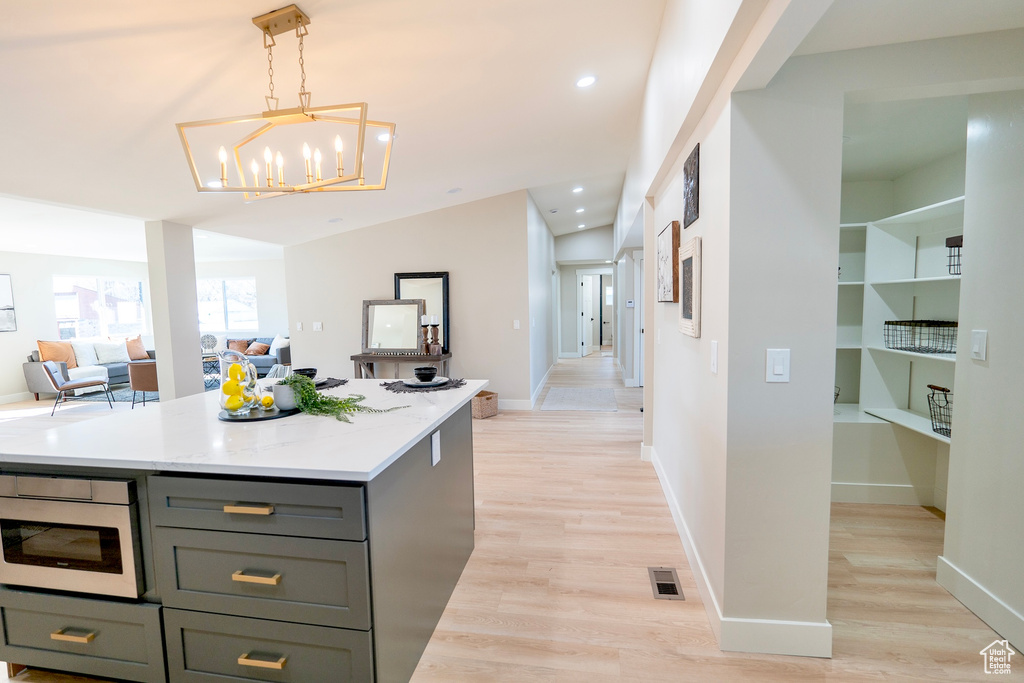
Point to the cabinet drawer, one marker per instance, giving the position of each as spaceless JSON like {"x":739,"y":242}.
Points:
{"x":261,"y":507}
{"x":213,"y":647}
{"x":115,"y":639}
{"x":304,"y":580}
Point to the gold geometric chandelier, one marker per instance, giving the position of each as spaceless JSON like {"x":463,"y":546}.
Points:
{"x":278,"y":152}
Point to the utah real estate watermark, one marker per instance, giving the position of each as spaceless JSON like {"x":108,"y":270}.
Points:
{"x":997,"y":657}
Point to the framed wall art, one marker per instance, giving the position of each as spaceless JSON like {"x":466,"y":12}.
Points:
{"x":689,"y":287}
{"x":691,"y":187}
{"x":668,"y":264}
{"x":7,"y":321}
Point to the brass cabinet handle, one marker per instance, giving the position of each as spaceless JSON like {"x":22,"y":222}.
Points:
{"x":261,"y":663}
{"x":240,"y":575}
{"x":60,"y":634}
{"x":249,"y":509}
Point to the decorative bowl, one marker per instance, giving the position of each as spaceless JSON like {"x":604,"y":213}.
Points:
{"x":305,"y":372}
{"x":425,"y":374}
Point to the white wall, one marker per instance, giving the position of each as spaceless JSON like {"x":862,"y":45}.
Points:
{"x":569,"y":344}
{"x":585,"y":246}
{"x":484,"y":247}
{"x":541,"y":266}
{"x":32,"y":281}
{"x":271,"y":293}
{"x":983,"y":554}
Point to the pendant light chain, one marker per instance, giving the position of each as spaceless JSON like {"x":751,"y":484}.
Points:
{"x":270,"y":73}
{"x":303,"y":95}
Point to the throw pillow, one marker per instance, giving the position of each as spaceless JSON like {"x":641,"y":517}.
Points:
{"x":278,"y":343}
{"x":239,"y":345}
{"x":111,"y":352}
{"x":57,"y":351}
{"x":257,"y":349}
{"x":222,"y":343}
{"x":136,"y":349}
{"x":85,"y":353}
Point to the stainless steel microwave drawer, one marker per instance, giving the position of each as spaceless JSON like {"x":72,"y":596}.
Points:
{"x":303,"y":580}
{"x":262,"y":507}
{"x":213,"y":647}
{"x":95,"y":637}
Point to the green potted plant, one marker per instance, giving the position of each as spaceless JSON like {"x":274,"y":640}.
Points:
{"x":309,"y":400}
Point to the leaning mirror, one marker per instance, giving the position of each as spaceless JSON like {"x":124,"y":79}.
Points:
{"x":392,"y":326}
{"x":433,"y":289}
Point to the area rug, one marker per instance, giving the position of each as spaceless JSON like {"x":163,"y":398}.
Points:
{"x":598,"y":400}
{"x":120,"y":396}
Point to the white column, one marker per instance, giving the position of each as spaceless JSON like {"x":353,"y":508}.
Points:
{"x":172,"y":286}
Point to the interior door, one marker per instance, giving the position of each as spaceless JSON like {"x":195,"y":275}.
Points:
{"x":607,"y":310}
{"x":586,"y":314}
{"x":639,"y":294}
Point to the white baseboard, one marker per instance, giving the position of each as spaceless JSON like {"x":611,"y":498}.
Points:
{"x":514,"y":404}
{"x":886,"y":494}
{"x":536,"y":392}
{"x":767,"y":636}
{"x":14,"y":398}
{"x":1004,"y":620}
{"x":630,"y":382}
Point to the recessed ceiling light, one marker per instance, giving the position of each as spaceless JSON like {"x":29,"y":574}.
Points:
{"x":335,"y":220}
{"x":582,"y":225}
{"x":579,"y":210}
{"x":455,"y":190}
{"x":577,"y":190}
{"x":586,"y":82}
{"x":384,"y":137}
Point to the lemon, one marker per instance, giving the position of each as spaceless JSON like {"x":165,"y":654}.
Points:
{"x":268,"y":402}
{"x":234,"y":402}
{"x":231,"y":388}
{"x":236,"y":372}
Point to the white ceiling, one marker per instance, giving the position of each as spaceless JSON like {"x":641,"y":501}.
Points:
{"x":850,"y":24}
{"x":483,"y":95}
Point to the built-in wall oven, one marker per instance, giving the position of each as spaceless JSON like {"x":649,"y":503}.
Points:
{"x":68,"y":534}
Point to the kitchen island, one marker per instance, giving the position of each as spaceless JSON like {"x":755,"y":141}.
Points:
{"x":295,"y":549}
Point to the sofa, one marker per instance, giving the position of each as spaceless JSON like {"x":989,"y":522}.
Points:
{"x":263,"y":363}
{"x":35,"y":373}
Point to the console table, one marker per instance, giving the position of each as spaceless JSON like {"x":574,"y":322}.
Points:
{"x":365,"y":363}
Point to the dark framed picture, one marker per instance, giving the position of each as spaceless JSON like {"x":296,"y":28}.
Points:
{"x":7,"y":321}
{"x":689,"y":288}
{"x":668,"y":265}
{"x":691,"y":187}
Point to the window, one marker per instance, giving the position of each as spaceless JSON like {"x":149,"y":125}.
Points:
{"x":608,"y":299}
{"x":227,"y":305}
{"x":98,"y":307}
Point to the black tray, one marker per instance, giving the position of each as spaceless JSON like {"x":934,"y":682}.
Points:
{"x":256,"y":415}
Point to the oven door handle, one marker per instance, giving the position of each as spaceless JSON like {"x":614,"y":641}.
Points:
{"x":249,"y":509}
{"x":61,"y":634}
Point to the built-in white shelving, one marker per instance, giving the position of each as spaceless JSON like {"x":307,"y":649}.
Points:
{"x":916,"y":422}
{"x":917,"y":280}
{"x":945,"y":357}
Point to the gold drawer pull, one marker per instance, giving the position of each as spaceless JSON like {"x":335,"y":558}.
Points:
{"x":61,"y":634}
{"x":249,"y":509}
{"x":262,"y":663}
{"x":240,"y":575}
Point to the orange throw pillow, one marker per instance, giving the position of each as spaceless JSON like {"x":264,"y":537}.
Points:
{"x":57,"y":351}
{"x":136,"y":349}
{"x":239,"y":345}
{"x":257,"y":349}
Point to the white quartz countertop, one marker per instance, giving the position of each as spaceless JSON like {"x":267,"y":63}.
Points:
{"x":184,"y":435}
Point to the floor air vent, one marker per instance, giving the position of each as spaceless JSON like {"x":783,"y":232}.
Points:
{"x":665,"y":583}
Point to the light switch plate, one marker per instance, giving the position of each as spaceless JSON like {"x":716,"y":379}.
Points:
{"x":435,"y":448}
{"x":298,"y":327}
{"x":714,"y":358}
{"x":630,"y":303}
{"x":318,"y":327}
{"x":979,"y":344}
{"x":515,"y":324}
{"x":777,"y":365}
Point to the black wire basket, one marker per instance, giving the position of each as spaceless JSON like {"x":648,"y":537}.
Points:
{"x":920,"y":336}
{"x":940,"y":405}
{"x":954,"y":247}
{"x":836,"y":399}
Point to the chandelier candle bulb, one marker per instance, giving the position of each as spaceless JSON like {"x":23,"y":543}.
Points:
{"x":337,"y":148}
{"x":280,"y":169}
{"x":307,"y":155}
{"x":222,"y":154}
{"x":268,"y":157}
{"x":317,"y":157}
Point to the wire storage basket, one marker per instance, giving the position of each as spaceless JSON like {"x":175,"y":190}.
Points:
{"x":836,"y":398}
{"x":940,"y":405}
{"x":954,"y":247}
{"x":921,"y":336}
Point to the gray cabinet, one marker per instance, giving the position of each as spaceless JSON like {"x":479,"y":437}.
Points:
{"x":213,"y":647}
{"x":96,"y":637}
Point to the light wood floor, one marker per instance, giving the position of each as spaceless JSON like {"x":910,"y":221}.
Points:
{"x":569,"y":519}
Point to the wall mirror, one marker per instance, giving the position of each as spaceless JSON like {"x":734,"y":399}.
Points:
{"x":432,"y":288}
{"x":392,"y":326}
